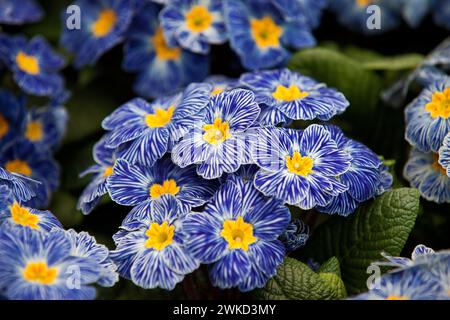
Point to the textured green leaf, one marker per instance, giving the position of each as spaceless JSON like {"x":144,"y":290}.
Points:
{"x":296,"y":281}
{"x":330,"y":266}
{"x":401,"y":62}
{"x":380,"y":225}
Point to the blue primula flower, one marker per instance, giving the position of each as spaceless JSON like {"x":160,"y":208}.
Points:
{"x":218,"y":142}
{"x":444,"y":154}
{"x":103,"y":25}
{"x":12,"y":213}
{"x":310,"y":9}
{"x":34,"y":64}
{"x":363,"y":178}
{"x":150,"y":129}
{"x":162,"y":70}
{"x":424,"y":172}
{"x":194,"y":24}
{"x":23,"y":158}
{"x":296,"y":96}
{"x":441,"y":271}
{"x":105,"y":158}
{"x":39,"y":266}
{"x":355,"y":14}
{"x":441,"y":12}
{"x":237,"y":234}
{"x":12,"y":117}
{"x":427,"y":117}
{"x":22,"y":187}
{"x":299,"y":167}
{"x":134,"y":185}
{"x":221,"y":83}
{"x":260,"y":35}
{"x":151,"y":249}
{"x":418,"y":256}
{"x":295,"y":235}
{"x":20,"y":12}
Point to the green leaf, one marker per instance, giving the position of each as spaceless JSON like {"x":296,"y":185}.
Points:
{"x":380,"y":225}
{"x":331,"y":266}
{"x":401,"y":62}
{"x":296,"y":281}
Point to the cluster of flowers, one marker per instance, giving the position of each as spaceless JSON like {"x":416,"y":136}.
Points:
{"x":209,"y":174}
{"x":426,"y":276}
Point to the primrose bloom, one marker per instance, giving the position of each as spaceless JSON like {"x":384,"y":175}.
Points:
{"x":363,"y":178}
{"x":150,"y":129}
{"x":34,"y":64}
{"x":151,"y":248}
{"x":103,"y":25}
{"x":12,"y":115}
{"x":161,"y":69}
{"x":294,"y":9}
{"x":194,"y":24}
{"x":39,"y":266}
{"x":427,"y":117}
{"x":299,"y":167}
{"x":424,"y":172}
{"x":13,"y":213}
{"x":217,"y":143}
{"x":296,"y":96}
{"x":260,"y":34}
{"x":418,"y":256}
{"x":105,"y":158}
{"x":20,"y":12}
{"x":237,"y":234}
{"x":134,"y":185}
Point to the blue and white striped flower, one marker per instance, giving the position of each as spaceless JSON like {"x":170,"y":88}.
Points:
{"x":218,"y":142}
{"x":365,"y":178}
{"x":162,"y":70}
{"x":354,"y":14}
{"x":22,"y":187}
{"x":424,"y":172}
{"x":418,"y":256}
{"x":296,"y":96}
{"x":39,"y":266}
{"x":294,"y":9}
{"x":221,"y":83}
{"x":13,"y":213}
{"x":150,"y":129}
{"x":441,"y":270}
{"x":134,"y":185}
{"x":151,"y":248}
{"x":24,"y":159}
{"x":299,"y":167}
{"x":428,"y":117}
{"x":260,"y":34}
{"x":12,"y":117}
{"x":295,"y":235}
{"x":20,"y":12}
{"x":441,"y":12}
{"x":103,"y":25}
{"x":35,"y":65}
{"x":105,"y":158}
{"x":444,"y":154}
{"x":194,"y":24}
{"x":237,"y":234}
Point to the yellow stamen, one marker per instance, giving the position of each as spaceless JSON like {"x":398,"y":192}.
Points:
{"x":292,"y":93}
{"x":108,"y":171}
{"x":4,"y":126}
{"x":104,"y":24}
{"x":394,"y":297}
{"x":167,"y":187}
{"x":27,"y":63}
{"x":440,"y":104}
{"x":364,"y":3}
{"x":34,"y":131}
{"x":238,"y":234}
{"x":160,"y":118}
{"x":266,"y":32}
{"x":163,"y":51}
{"x":39,"y":272}
{"x":216,"y":132}
{"x":299,"y":165}
{"x":198,"y":19}
{"x":216,"y":91}
{"x":159,"y":236}
{"x":19,"y":166}
{"x":23,"y":216}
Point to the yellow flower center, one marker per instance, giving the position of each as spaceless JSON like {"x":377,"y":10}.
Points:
{"x":216,"y":132}
{"x":4,"y":126}
{"x":440,"y":104}
{"x":108,"y":171}
{"x":23,"y":216}
{"x":394,"y":297}
{"x":299,"y":165}
{"x":437,"y":166}
{"x":198,"y":19}
{"x":216,"y":91}
{"x":289,"y":94}
{"x":159,"y":236}
{"x":364,"y":3}
{"x":168,"y":187}
{"x":28,"y":64}
{"x":266,"y":32}
{"x":34,"y":131}
{"x":39,"y":272}
{"x":19,"y":166}
{"x":105,"y":22}
{"x":160,"y":118}
{"x":238,"y":234}
{"x":163,"y":51}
